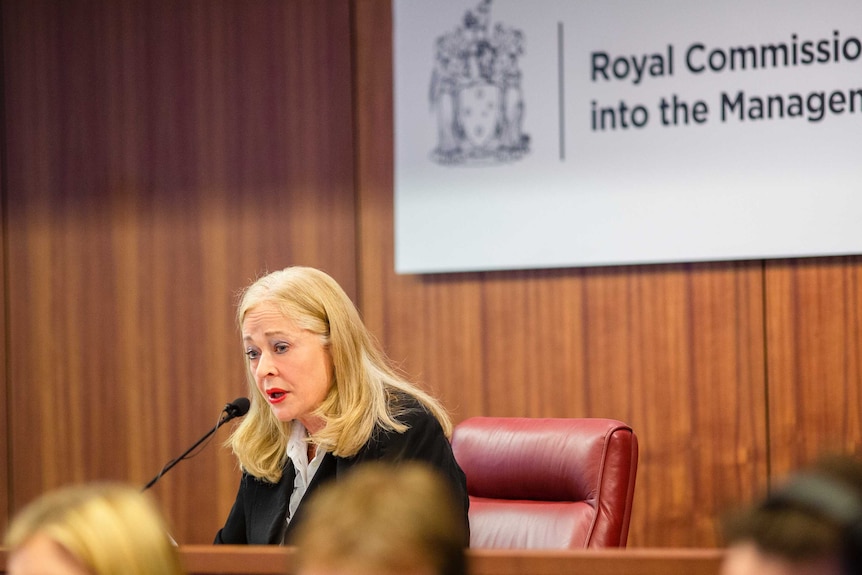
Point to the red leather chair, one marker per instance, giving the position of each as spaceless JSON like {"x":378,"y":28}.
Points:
{"x":547,"y":483}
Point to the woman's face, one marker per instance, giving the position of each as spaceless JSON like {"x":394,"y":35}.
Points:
{"x":41,"y":556}
{"x":290,"y":365}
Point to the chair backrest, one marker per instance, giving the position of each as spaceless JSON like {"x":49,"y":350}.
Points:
{"x":547,"y":483}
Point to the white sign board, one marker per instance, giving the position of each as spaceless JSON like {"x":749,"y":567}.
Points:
{"x":559,"y":133}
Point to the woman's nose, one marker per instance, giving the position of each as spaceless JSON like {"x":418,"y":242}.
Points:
{"x":265,"y":365}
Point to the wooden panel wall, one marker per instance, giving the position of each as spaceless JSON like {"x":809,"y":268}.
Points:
{"x":161,"y":154}
{"x":4,"y":379}
{"x":814,"y":327}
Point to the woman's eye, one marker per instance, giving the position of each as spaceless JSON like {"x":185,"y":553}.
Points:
{"x":252,"y":354}
{"x":281,"y":347}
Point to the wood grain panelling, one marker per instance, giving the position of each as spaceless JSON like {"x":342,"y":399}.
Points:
{"x":161,"y":154}
{"x":814,"y":323}
{"x":676,"y":350}
{"x":4,"y":372}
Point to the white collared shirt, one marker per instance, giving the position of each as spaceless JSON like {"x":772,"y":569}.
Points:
{"x":297,"y":451}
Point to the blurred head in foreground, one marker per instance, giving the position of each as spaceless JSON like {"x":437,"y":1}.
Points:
{"x":383,"y":519}
{"x":811,"y":524}
{"x":95,"y":529}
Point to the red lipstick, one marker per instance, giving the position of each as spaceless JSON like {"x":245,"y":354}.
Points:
{"x":276,"y":395}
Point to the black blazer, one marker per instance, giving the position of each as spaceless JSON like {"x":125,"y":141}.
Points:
{"x":259,"y":512}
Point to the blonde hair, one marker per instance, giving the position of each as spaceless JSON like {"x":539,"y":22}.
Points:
{"x":383,"y":518}
{"x":363,"y":394}
{"x":110,"y":528}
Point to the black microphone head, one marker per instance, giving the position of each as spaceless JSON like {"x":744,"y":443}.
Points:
{"x":238,"y":407}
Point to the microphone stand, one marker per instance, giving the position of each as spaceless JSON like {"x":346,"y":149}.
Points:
{"x":230,"y":415}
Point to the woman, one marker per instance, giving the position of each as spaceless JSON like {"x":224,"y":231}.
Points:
{"x":96,"y":529}
{"x":324,"y":399}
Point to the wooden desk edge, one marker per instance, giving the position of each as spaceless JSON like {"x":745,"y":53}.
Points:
{"x":634,"y":561}
{"x":270,"y":560}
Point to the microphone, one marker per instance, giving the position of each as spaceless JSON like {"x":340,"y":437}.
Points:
{"x":237,"y":408}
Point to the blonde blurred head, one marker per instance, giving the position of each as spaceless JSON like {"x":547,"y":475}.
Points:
{"x":102,"y":528}
{"x":364,"y":382}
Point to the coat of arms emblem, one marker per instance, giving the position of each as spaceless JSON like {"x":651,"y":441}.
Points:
{"x":476,"y":92}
